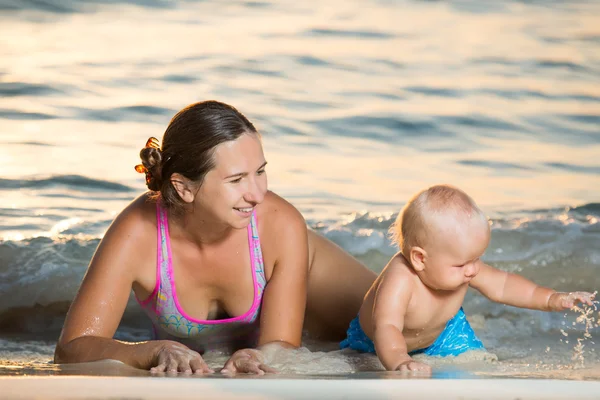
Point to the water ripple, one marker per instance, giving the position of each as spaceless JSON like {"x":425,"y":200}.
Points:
{"x":24,"y":115}
{"x":72,"y":181}
{"x":74,"y":6}
{"x":494,"y":165}
{"x":141,"y":113}
{"x":480,"y":121}
{"x":30,"y":143}
{"x":592,"y":119}
{"x":594,"y":170}
{"x":550,"y":128}
{"x":517,"y":94}
{"x":534,"y":65}
{"x":312,"y":61}
{"x":382,"y":128}
{"x":13,"y":89}
{"x":560,"y":64}
{"x":174,"y":78}
{"x":354,"y":34}
{"x":430,"y":91}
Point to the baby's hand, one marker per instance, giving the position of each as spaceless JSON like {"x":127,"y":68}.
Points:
{"x":414,"y":366}
{"x":560,"y":301}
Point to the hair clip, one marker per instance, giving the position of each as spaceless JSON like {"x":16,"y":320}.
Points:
{"x":152,"y":142}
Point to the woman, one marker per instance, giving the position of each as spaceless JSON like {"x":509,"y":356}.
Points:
{"x":215,"y":259}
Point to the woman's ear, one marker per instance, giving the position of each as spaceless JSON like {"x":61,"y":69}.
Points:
{"x":417,"y":258}
{"x":183,"y":187}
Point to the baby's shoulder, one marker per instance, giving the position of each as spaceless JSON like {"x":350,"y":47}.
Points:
{"x":399,"y":266}
{"x":398,"y":271}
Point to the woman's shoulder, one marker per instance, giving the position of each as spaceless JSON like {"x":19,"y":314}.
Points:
{"x":129,"y":244}
{"x":279,"y":224}
{"x":276,"y":211}
{"x":137,"y":219}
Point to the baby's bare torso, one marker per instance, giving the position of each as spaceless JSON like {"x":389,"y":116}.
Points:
{"x":427,"y":312}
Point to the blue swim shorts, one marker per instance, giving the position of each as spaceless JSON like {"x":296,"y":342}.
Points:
{"x":456,"y":338}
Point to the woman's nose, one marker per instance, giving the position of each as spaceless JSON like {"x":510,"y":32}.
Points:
{"x":256,"y":192}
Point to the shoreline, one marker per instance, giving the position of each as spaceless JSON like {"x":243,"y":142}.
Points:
{"x":104,"y":387}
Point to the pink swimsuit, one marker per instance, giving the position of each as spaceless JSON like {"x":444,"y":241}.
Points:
{"x":171,"y":322}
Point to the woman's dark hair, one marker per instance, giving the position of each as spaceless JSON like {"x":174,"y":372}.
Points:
{"x":188,"y":146}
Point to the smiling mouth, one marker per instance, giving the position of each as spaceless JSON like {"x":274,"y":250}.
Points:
{"x":245,"y":210}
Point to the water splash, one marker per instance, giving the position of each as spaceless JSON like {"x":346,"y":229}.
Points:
{"x":589,"y":321}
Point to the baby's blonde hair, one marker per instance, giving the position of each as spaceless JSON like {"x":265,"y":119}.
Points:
{"x":411,"y":226}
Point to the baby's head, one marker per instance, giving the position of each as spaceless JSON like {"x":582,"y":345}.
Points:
{"x":442,"y":233}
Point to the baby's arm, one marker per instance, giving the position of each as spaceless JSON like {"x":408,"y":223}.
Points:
{"x":515,"y":290}
{"x":389,"y":307}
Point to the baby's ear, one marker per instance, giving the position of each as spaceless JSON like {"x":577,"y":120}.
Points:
{"x":417,"y":258}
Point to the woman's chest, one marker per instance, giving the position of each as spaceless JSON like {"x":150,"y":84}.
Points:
{"x":218,"y":282}
{"x":215,"y":282}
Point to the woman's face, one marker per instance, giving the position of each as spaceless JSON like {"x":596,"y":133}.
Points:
{"x":237,"y":183}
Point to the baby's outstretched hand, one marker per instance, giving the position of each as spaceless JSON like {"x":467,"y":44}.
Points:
{"x":560,"y":301}
{"x":414,"y":366}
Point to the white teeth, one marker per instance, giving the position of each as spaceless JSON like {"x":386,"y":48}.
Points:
{"x":245,"y":209}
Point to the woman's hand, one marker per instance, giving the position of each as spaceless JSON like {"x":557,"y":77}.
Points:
{"x":173,"y":357}
{"x":560,"y":301}
{"x":247,"y":361}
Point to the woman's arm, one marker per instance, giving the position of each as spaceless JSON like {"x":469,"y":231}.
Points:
{"x":284,"y":298}
{"x":96,"y":311}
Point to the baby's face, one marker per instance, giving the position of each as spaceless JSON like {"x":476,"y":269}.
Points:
{"x":453,"y":254}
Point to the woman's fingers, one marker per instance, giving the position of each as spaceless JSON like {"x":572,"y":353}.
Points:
{"x":250,"y":366}
{"x":199,"y":366}
{"x":268,"y":369}
{"x":228,"y":368}
{"x":176,"y":358}
{"x":159,"y":368}
{"x":173,"y":365}
{"x":246,"y":364}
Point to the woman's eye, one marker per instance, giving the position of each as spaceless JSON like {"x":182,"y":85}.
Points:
{"x":260,"y":172}
{"x":238,"y":180}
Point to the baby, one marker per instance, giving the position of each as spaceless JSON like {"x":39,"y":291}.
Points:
{"x":414,"y":306}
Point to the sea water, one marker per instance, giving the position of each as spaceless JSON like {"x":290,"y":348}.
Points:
{"x":360,"y":105}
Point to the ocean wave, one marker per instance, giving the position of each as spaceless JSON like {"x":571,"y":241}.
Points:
{"x":582,"y":169}
{"x":555,"y":247}
{"x":381,"y":128}
{"x":562,"y":130}
{"x":138,"y":113}
{"x":346,"y":33}
{"x":77,"y":182}
{"x":6,"y":113}
{"x":535,"y":65}
{"x":13,"y":89}
{"x":480,"y":122}
{"x":73,"y":6}
{"x":46,"y":321}
{"x":494,"y":165}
